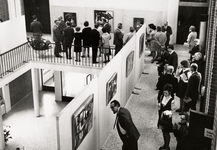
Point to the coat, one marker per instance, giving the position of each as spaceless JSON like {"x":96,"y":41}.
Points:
{"x":68,"y":35}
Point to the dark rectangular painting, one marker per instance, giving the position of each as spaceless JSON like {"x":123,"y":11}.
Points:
{"x":107,"y":15}
{"x":111,"y":88}
{"x":70,"y":17}
{"x":129,"y":63}
{"x":137,"y":23}
{"x":82,"y":122}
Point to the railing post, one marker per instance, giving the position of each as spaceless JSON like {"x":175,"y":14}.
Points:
{"x":58,"y":85}
{"x":6,"y":97}
{"x":35,"y":91}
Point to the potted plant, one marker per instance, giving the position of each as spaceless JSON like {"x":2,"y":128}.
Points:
{"x":39,"y":44}
{"x":7,"y":134}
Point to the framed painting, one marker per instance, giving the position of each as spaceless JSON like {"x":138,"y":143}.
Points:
{"x":70,"y":17}
{"x":82,"y":122}
{"x":137,"y":23}
{"x":105,"y":17}
{"x":129,"y":63}
{"x":141,"y":44}
{"x":111,"y":88}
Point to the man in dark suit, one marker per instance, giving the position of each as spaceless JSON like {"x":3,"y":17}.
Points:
{"x":57,"y":38}
{"x":173,"y":57}
{"x":86,"y":38}
{"x":193,"y":88}
{"x":167,"y":78}
{"x":168,"y":30}
{"x":95,"y":36}
{"x":118,"y":38}
{"x":125,"y":126}
{"x":36,"y":26}
{"x":68,"y":36}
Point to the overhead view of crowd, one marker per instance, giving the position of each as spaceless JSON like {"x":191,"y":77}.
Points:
{"x":67,"y":35}
{"x":182,"y":82}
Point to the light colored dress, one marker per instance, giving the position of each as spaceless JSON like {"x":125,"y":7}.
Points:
{"x":191,"y":39}
{"x":105,"y":43}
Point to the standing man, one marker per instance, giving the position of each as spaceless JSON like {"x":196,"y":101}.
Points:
{"x":161,"y":40}
{"x":95,"y":36}
{"x":36,"y":26}
{"x":118,"y":38}
{"x":173,"y":57}
{"x":86,"y":39}
{"x":193,"y":88}
{"x":125,"y":126}
{"x":57,"y":38}
{"x":168,"y":30}
{"x":68,"y":36}
{"x":62,"y":26}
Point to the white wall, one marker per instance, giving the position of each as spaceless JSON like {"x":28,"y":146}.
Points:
{"x":13,"y":33}
{"x":103,"y":116}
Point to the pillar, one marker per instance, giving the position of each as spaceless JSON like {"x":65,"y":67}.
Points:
{"x":6,"y":97}
{"x":2,"y":139}
{"x":35,"y":91}
{"x":58,"y":85}
{"x":202,"y":35}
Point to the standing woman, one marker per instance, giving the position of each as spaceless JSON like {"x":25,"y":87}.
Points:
{"x":153,"y":44}
{"x":191,"y":37}
{"x":77,"y":43}
{"x":184,"y":73}
{"x":165,"y":113}
{"x":105,"y":44}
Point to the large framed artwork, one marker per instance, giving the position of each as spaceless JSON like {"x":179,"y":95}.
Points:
{"x":70,"y":17}
{"x":129,"y":63}
{"x":137,"y":23}
{"x":111,"y":88}
{"x":141,"y":44}
{"x":82,"y":122}
{"x":100,"y":15}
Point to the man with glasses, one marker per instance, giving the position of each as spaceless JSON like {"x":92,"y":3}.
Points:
{"x":125,"y":126}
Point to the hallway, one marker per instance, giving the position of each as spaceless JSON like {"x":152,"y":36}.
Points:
{"x":143,"y":108}
{"x":39,"y":133}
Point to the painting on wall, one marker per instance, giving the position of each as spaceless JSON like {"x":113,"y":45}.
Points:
{"x":129,"y":63}
{"x":111,"y":88}
{"x":137,"y":23}
{"x":82,"y":122}
{"x":70,"y":17}
{"x":107,"y":15}
{"x":141,"y":44}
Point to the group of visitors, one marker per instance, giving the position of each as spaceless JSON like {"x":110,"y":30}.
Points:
{"x":181,"y":81}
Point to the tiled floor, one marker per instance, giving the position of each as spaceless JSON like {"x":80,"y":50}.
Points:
{"x":39,"y":133}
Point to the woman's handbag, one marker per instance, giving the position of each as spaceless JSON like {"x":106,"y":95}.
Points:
{"x":166,"y":123}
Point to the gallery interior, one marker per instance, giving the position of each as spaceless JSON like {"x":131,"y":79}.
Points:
{"x":43,"y":97}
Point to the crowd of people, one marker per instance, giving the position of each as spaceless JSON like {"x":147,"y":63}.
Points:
{"x":183,"y":81}
{"x":66,"y":34}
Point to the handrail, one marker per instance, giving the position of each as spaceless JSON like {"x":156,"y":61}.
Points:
{"x":18,"y":56}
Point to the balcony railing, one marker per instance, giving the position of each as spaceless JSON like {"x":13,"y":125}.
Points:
{"x":15,"y":58}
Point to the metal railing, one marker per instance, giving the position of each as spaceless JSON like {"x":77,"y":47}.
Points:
{"x":16,"y":57}
{"x":13,"y":59}
{"x":49,"y":57}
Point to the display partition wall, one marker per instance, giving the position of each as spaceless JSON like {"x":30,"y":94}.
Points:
{"x":81,"y":124}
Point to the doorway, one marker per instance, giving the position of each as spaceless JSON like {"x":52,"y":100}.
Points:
{"x":41,"y":9}
{"x":188,"y":16}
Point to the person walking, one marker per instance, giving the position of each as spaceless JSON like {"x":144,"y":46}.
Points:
{"x":127,"y":130}
{"x":191,"y":37}
{"x":118,"y":38}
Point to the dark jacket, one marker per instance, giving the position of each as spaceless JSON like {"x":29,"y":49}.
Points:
{"x":126,"y":122}
{"x":86,"y":37}
{"x":118,"y":38}
{"x":166,"y":79}
{"x":94,"y":36}
{"x":173,"y":60}
{"x":68,"y":35}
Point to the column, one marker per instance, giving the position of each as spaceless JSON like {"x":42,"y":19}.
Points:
{"x":35,"y":91}
{"x":6,"y":97}
{"x":2,"y":139}
{"x":58,"y":85}
{"x":203,"y":31}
